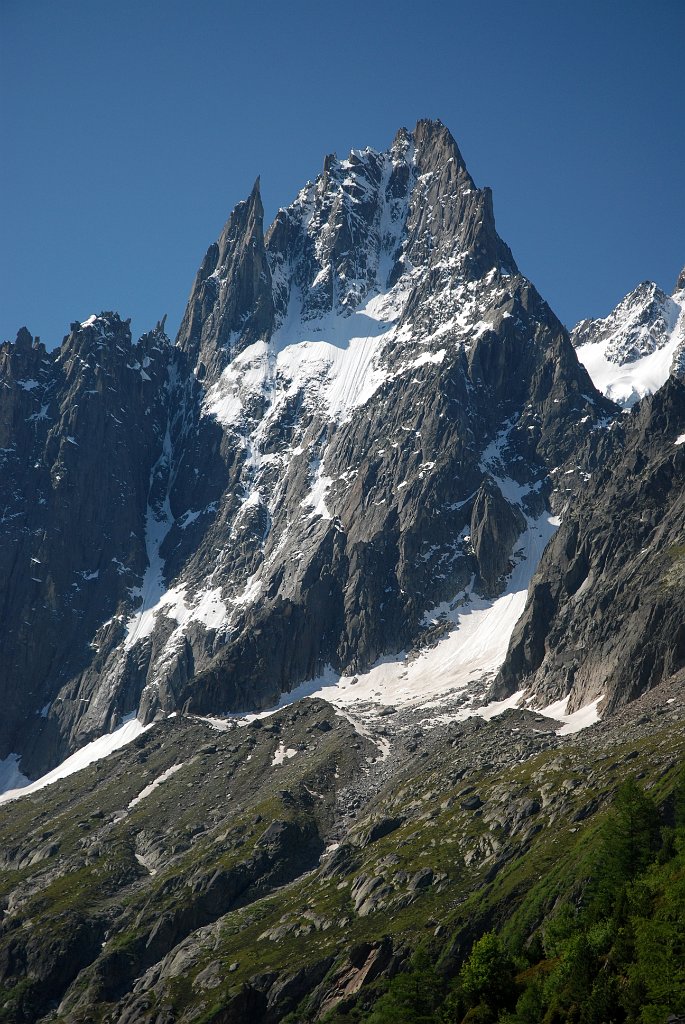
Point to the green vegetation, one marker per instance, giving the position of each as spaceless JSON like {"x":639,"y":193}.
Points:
{"x":675,"y":565}
{"x":552,"y":902}
{"x":616,"y":955}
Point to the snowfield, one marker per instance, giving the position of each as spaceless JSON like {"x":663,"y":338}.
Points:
{"x":446,"y":679}
{"x":615,"y":371}
{"x":94,"y":751}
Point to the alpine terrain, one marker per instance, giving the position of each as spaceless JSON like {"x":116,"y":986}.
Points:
{"x":305,"y":616}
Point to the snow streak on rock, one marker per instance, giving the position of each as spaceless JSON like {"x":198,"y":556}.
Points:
{"x":356,"y":423}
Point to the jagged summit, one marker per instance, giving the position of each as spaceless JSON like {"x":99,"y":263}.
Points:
{"x":368,"y":224}
{"x":230,"y":305}
{"x":631,"y":352}
{"x":680,"y":283}
{"x":355,"y":428}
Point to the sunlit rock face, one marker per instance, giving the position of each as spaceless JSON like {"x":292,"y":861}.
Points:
{"x":356,"y":424}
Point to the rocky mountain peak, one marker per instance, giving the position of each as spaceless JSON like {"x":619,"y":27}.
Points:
{"x":356,"y":425}
{"x":24,"y":341}
{"x":409,"y":218}
{"x":680,"y":283}
{"x":104,"y":334}
{"x":230,"y":305}
{"x":24,"y":369}
{"x":631,"y":352}
{"x":374,"y":474}
{"x":435,"y":145}
{"x":245,"y":222}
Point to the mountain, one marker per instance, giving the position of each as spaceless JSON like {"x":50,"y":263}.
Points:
{"x":289,"y":871}
{"x":604,"y":616}
{"x":355,"y":427}
{"x":82,"y":428}
{"x":371,"y":471}
{"x":631,"y":352}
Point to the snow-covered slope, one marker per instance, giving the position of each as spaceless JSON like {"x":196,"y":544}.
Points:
{"x":355,"y":426}
{"x":13,"y":784}
{"x":631,"y":352}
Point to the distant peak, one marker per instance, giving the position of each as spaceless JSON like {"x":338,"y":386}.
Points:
{"x":680,"y":283}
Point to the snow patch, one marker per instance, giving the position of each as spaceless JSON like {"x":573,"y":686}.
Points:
{"x":91,"y":752}
{"x":282,"y":754}
{"x":11,"y":778}
{"x":153,"y":785}
{"x":428,"y":357}
{"x":577,"y":720}
{"x":316,"y":499}
{"x":497,"y":707}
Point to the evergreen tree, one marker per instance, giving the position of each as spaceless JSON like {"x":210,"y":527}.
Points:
{"x":412,"y":997}
{"x":630,"y":841}
{"x":488,"y":975}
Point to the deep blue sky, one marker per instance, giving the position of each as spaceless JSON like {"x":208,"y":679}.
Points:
{"x":130,"y":128}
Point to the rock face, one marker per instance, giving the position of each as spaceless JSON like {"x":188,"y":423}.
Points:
{"x":195,"y":876}
{"x":357,"y":420}
{"x":605,"y":614}
{"x":82,"y":427}
{"x":495,"y":526}
{"x":631,"y":352}
{"x":231,"y":303}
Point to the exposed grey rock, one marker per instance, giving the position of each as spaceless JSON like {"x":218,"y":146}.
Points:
{"x":680,"y":283}
{"x":261,"y":513}
{"x":604,"y":616}
{"x":472,"y":803}
{"x":87,"y":426}
{"x":230,"y":305}
{"x":421,"y":880}
{"x":380,"y":829}
{"x":495,"y":526}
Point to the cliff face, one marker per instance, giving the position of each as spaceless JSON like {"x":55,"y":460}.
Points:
{"x":356,"y":424}
{"x":345,"y":472}
{"x":83,"y":425}
{"x":604,"y":617}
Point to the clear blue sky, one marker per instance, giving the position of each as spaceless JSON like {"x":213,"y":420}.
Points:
{"x":130,"y":128}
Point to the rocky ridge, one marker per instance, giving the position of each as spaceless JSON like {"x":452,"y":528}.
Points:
{"x":353,"y":395}
{"x":290,"y":867}
{"x":73,"y":522}
{"x":631,"y":352}
{"x":604,"y":617}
